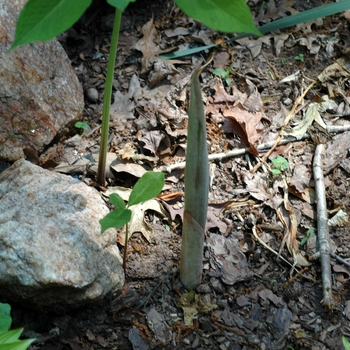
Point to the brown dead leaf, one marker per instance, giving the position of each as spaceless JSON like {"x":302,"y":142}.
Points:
{"x":148,"y":46}
{"x":226,"y":258}
{"x":243,"y":112}
{"x":258,"y":188}
{"x":150,"y":50}
{"x":152,"y":140}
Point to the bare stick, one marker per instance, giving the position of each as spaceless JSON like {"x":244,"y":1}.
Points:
{"x":241,"y":151}
{"x":322,"y":228}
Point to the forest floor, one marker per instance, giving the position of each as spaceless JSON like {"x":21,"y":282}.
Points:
{"x":250,"y":298}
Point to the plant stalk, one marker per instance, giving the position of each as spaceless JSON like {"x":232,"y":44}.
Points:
{"x":101,"y":172}
{"x":125,"y":245}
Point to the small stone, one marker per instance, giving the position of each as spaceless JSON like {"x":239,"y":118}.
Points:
{"x":92,"y":95}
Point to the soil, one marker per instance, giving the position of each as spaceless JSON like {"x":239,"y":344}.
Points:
{"x":249,"y":297}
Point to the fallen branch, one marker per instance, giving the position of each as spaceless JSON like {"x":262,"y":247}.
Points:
{"x":322,"y":228}
{"x":242,"y":151}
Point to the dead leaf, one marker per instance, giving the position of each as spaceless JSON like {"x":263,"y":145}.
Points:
{"x":122,"y":108}
{"x":148,"y":46}
{"x":152,"y":140}
{"x":312,"y":114}
{"x":227,"y":259}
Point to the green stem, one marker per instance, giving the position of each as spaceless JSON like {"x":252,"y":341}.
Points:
{"x":125,"y":245}
{"x":101,"y":172}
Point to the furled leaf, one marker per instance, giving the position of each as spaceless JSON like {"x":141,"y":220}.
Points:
{"x":5,"y":317}
{"x":222,"y":15}
{"x":196,"y":190}
{"x":42,"y":20}
{"x":117,"y":201}
{"x":116,"y":218}
{"x":120,"y":4}
{"x":147,"y":187}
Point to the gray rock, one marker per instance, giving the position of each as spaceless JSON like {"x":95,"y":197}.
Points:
{"x":52,"y":253}
{"x":39,"y":91}
{"x":92,"y":95}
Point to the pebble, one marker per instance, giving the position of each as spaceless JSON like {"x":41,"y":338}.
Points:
{"x":92,"y":94}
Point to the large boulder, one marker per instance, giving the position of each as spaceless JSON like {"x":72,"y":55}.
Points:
{"x":52,"y":254}
{"x":39,"y":91}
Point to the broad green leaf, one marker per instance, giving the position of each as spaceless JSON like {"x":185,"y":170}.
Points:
{"x":10,"y":336}
{"x":5,"y":317}
{"x":42,"y":20}
{"x":147,"y":187}
{"x":117,"y":201}
{"x":115,"y":219}
{"x":120,"y":4}
{"x":222,"y":15}
{"x":17,"y":345}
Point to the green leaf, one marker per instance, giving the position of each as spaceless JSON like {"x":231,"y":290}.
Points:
{"x":275,"y":171}
{"x":18,"y":345}
{"x":306,"y":16}
{"x":146,"y":188}
{"x":10,"y":336}
{"x":220,"y":72}
{"x":115,"y":219}
{"x":5,"y":317}
{"x":282,"y":23}
{"x":346,"y":343}
{"x":120,"y":4}
{"x":117,"y":201}
{"x":42,"y":20}
{"x":280,"y":163}
{"x":226,"y":16}
{"x":82,"y":125}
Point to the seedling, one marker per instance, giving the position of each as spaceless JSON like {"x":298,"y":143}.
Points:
{"x":283,"y":60}
{"x":280,"y":164}
{"x":82,"y":125}
{"x":224,"y":74}
{"x":146,"y":188}
{"x":309,"y":233}
{"x":300,"y":57}
{"x":272,"y":282}
{"x":9,"y":339}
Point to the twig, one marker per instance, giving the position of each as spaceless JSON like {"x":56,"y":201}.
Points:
{"x":322,"y":227}
{"x":241,"y":151}
{"x":341,"y":260}
{"x":232,"y":153}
